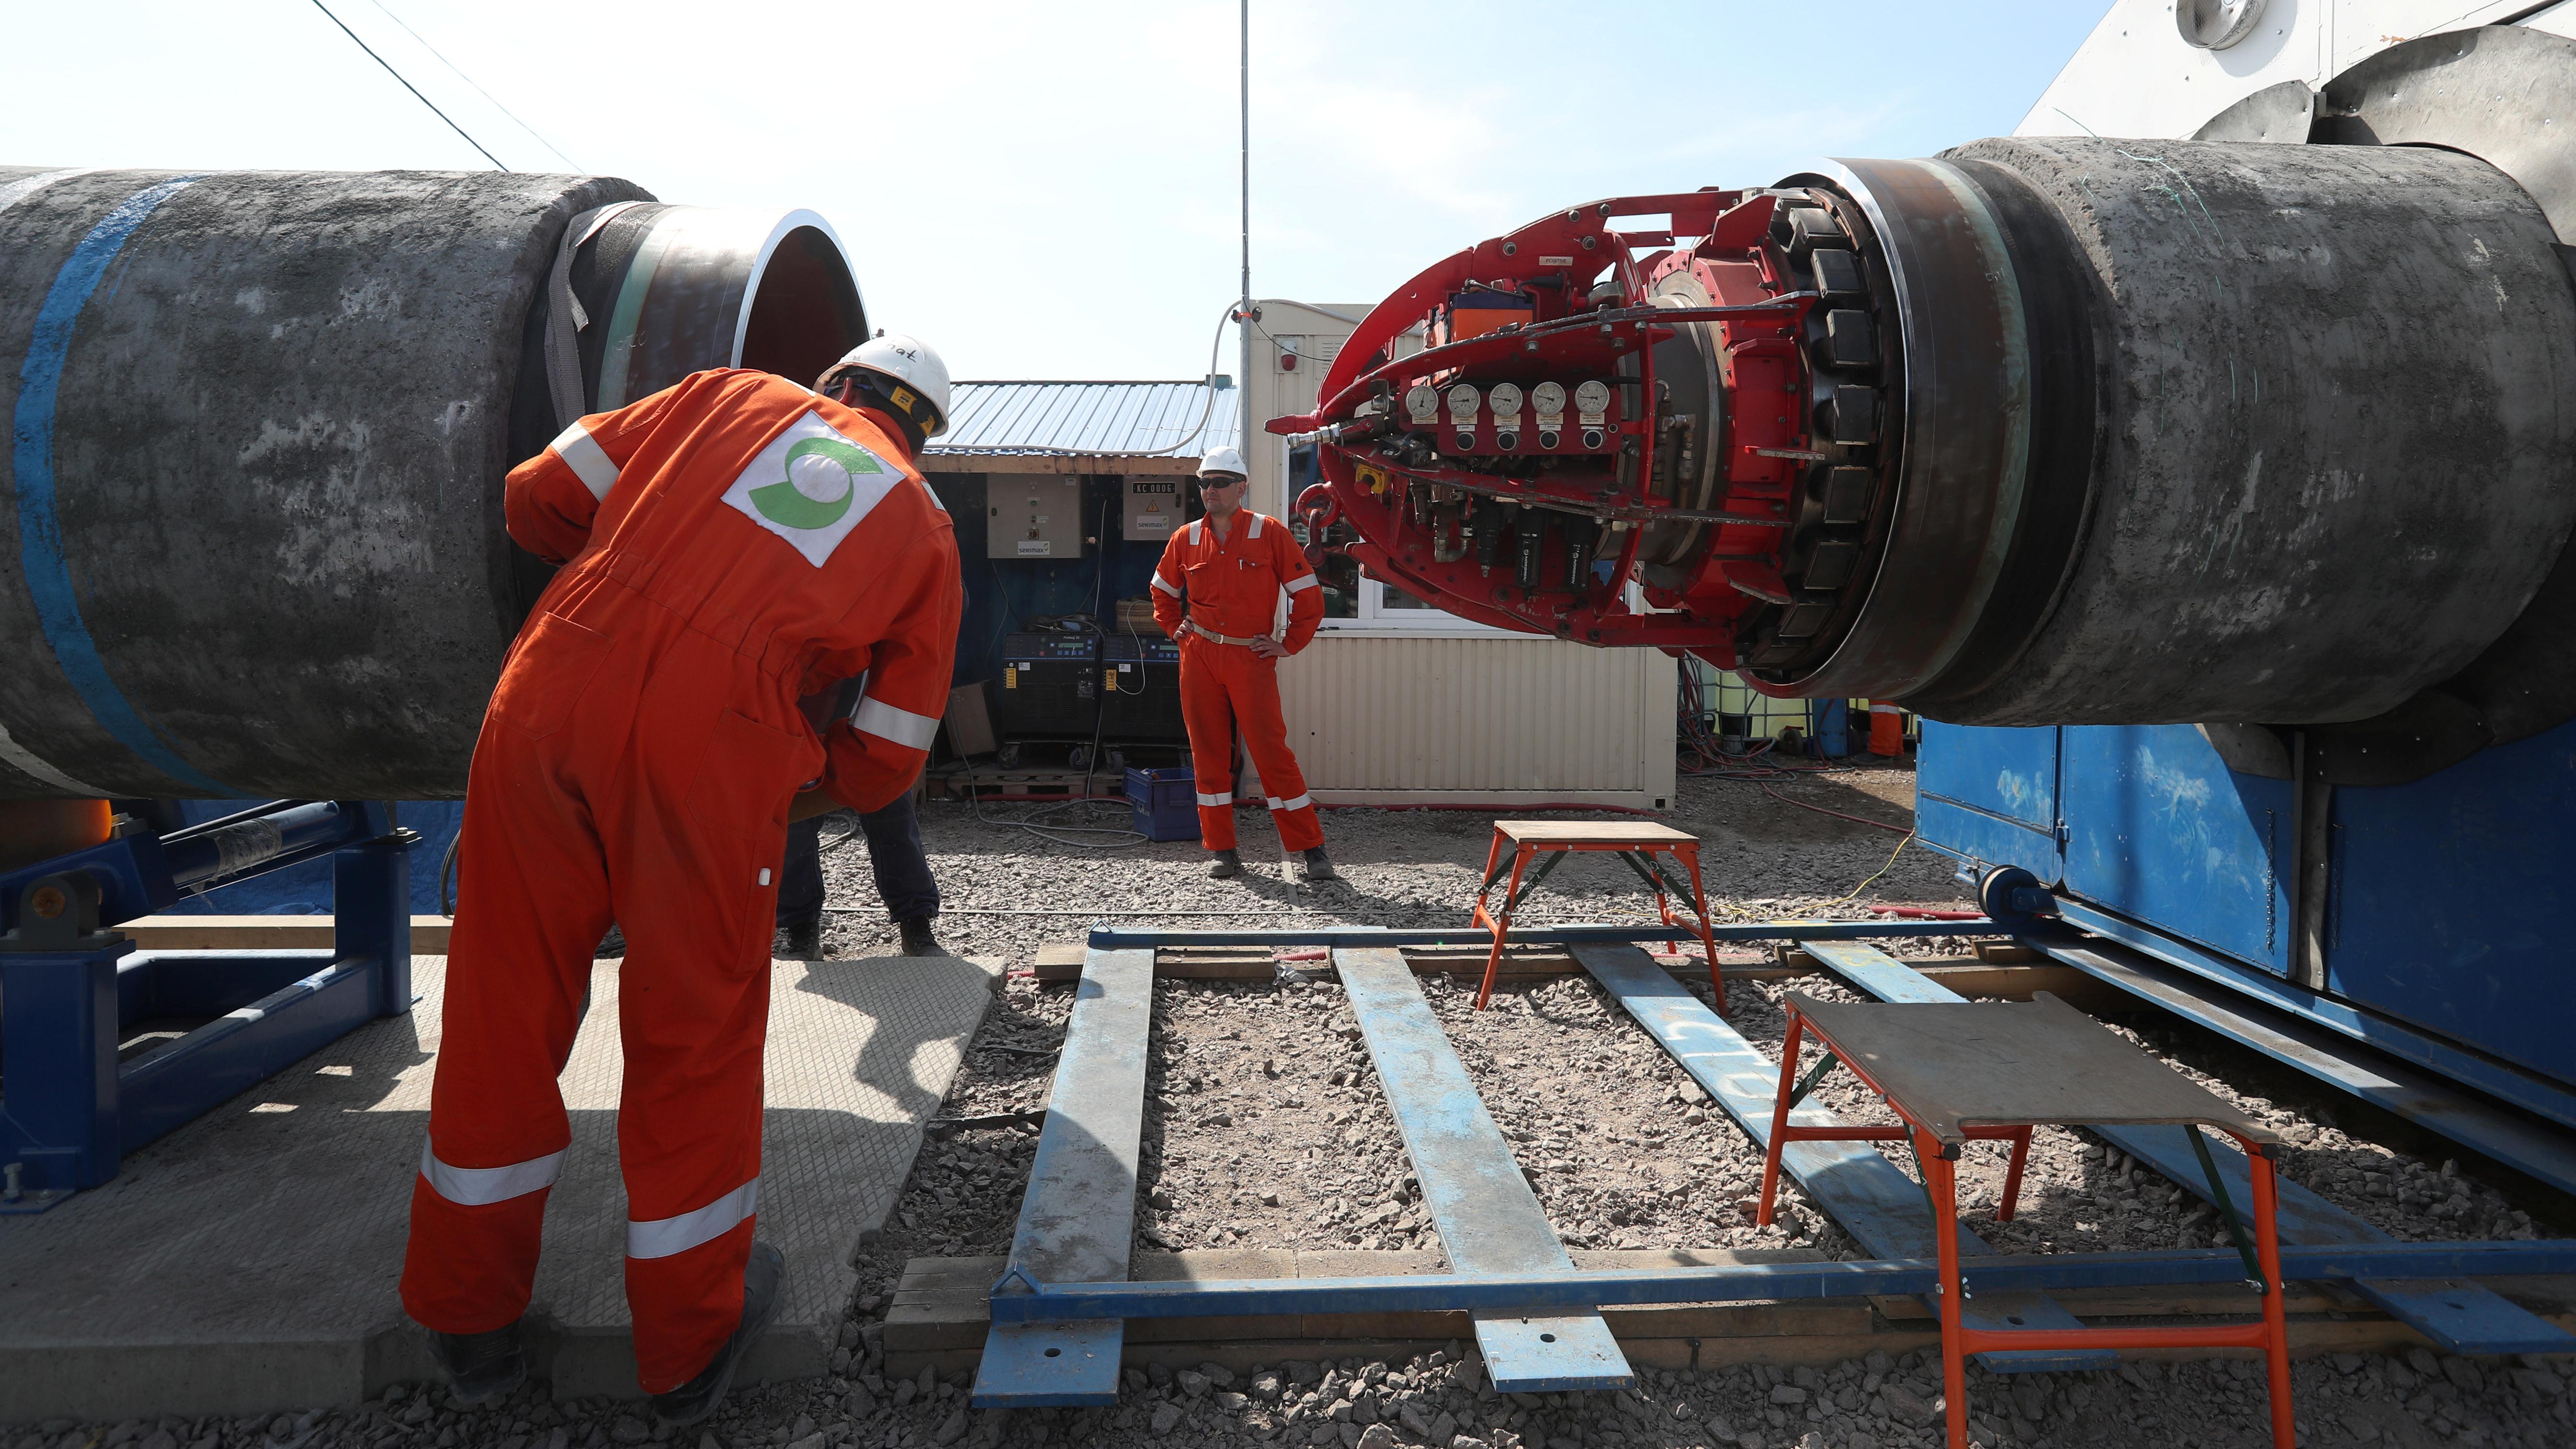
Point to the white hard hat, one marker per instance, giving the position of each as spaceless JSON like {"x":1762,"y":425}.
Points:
{"x":1223,"y":460}
{"x":915,"y":371}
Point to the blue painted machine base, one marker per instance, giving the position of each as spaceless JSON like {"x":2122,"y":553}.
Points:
{"x":70,"y":1110}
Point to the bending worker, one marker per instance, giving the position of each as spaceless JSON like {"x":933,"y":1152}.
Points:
{"x":1216,"y":592}
{"x":730,"y":544}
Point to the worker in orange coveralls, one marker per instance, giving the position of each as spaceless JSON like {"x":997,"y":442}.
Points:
{"x":1224,"y":572}
{"x":729,"y":544}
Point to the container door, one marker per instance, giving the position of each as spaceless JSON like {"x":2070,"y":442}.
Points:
{"x":2161,"y":831}
{"x":1989,"y":796}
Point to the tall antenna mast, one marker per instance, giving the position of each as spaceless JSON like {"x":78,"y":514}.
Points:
{"x":1243,"y":379}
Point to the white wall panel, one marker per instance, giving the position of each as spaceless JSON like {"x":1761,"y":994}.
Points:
{"x":1397,"y":720}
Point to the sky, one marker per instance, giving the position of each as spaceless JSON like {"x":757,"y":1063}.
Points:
{"x":1050,"y":190}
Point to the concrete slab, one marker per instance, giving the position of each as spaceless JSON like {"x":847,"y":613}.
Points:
{"x":248,"y":1261}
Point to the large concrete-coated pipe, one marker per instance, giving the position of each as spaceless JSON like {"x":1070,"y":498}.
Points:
{"x":252,"y":542}
{"x":2278,"y":433}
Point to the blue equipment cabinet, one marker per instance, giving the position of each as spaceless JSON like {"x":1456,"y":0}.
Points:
{"x":72,"y":989}
{"x":2414,"y":921}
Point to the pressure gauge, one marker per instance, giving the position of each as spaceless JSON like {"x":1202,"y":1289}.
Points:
{"x":1422,"y":403}
{"x":1462,"y":404}
{"x":1549,"y":399}
{"x":1507,"y":402}
{"x":1592,"y":400}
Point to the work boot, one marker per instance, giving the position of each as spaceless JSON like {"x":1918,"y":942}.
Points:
{"x":1226,"y":865}
{"x":763,"y":1278}
{"x":800,"y":941}
{"x":917,"y":939}
{"x":1316,"y":866}
{"x":481,"y":1366}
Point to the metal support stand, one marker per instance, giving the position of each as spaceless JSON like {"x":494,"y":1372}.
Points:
{"x":58,"y":976}
{"x":76,"y":990}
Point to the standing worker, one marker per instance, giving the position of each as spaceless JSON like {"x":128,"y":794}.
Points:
{"x":1217,"y":595}
{"x":895,"y":857}
{"x":730,"y":544}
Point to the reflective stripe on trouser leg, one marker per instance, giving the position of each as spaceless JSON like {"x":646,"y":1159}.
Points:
{"x":1255,"y":694}
{"x":532,"y":901}
{"x":666,"y":1237}
{"x":1210,"y":722}
{"x":689,"y":1116}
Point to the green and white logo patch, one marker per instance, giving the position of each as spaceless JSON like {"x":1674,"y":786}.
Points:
{"x":811,"y":486}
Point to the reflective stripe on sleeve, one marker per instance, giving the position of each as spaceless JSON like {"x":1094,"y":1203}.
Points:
{"x":1300,"y":803}
{"x":1195,"y":534}
{"x":587,"y":460}
{"x":663,"y":1237}
{"x":1171,"y":589}
{"x":876,"y":717}
{"x":1212,"y":801}
{"x":1255,"y":530}
{"x":1307,"y":582}
{"x":483,"y":1186}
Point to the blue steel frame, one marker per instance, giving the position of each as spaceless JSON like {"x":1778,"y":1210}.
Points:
{"x":1025,"y":1301}
{"x":69,"y":1109}
{"x":1042,"y":1292}
{"x":2146,"y":837}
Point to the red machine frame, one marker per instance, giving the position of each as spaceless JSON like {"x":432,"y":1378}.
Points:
{"x":1711,"y":263}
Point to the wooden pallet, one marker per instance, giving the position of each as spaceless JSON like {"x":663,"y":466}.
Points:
{"x":1049,"y":784}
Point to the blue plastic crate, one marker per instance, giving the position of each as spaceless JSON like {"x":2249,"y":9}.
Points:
{"x":1167,"y":803}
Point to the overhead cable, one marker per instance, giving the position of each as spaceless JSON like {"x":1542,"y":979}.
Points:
{"x":478,"y":88}
{"x":407,"y":85}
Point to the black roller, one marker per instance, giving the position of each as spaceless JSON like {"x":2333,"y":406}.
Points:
{"x":261,"y":421}
{"x":2290,"y":434}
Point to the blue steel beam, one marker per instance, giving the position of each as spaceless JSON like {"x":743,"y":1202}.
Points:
{"x":2382,"y":1034}
{"x":1874,"y":1201}
{"x":2297,"y":1041}
{"x":1757,"y":1282}
{"x":2461,"y":1317}
{"x":1129,"y":938}
{"x":1489,"y":1220}
{"x":179,"y":1081}
{"x":1078,"y":1217}
{"x":209,"y":983}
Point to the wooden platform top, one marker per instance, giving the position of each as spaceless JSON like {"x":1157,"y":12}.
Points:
{"x":1995,"y":1063}
{"x":1592,"y":832}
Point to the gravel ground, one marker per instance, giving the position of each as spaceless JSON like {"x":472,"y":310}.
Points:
{"x":1246,"y":1079}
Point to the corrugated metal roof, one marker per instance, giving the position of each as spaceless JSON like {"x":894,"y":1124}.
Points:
{"x":1075,"y":419}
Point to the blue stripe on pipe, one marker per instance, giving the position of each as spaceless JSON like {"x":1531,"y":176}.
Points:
{"x":1870,"y":1196}
{"x":1078,"y":1216}
{"x":40,"y":534}
{"x":1758,"y":1282}
{"x":1488,"y":1218}
{"x":2460,"y":1317}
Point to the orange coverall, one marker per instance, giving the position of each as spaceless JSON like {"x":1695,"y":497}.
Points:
{"x":732,"y":543}
{"x":1231,"y":586}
